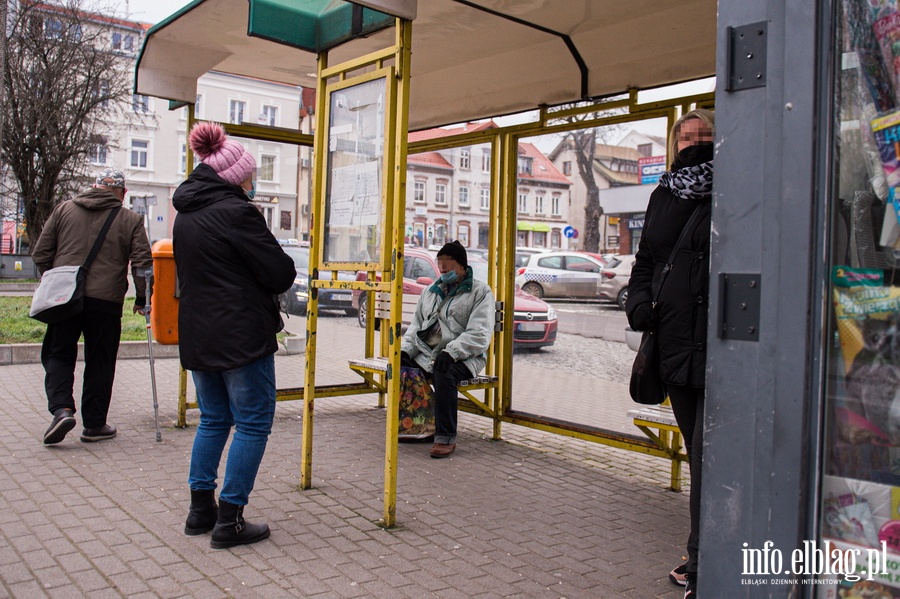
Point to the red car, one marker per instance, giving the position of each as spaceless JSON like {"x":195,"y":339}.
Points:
{"x":534,"y":320}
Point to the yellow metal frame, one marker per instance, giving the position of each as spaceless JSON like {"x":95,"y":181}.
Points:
{"x":662,"y":440}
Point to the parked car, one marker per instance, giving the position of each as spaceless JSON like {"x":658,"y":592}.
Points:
{"x":561,"y":274}
{"x":524,"y":253}
{"x":534,"y":321}
{"x":614,"y":285}
{"x":295,"y":299}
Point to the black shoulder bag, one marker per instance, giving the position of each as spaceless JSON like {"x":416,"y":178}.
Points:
{"x":646,"y":386}
{"x":60,"y":294}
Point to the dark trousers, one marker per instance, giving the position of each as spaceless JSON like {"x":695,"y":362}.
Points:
{"x":446,"y":400}
{"x":101,"y":324}
{"x":687,"y":406}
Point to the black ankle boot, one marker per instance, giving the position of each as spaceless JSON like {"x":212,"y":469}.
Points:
{"x":203,"y":513}
{"x":232,"y":530}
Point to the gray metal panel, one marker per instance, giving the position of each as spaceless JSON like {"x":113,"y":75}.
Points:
{"x":756,"y":439}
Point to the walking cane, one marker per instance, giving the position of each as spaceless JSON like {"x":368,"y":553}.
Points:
{"x":148,"y":277}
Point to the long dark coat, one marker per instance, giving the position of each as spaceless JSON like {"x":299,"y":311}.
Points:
{"x":683,"y":302}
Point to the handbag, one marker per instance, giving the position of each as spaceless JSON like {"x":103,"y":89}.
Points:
{"x":416,"y":405}
{"x":646,"y":385}
{"x":60,"y":294}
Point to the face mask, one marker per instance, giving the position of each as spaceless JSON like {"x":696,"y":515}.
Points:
{"x":251,"y":193}
{"x":449,"y":277}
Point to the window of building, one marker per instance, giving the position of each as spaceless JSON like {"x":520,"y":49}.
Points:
{"x":555,"y":239}
{"x":139,"y":153}
{"x":525,"y":165}
{"x":269,"y":115}
{"x":567,"y":167}
{"x":554,"y":206}
{"x":266,"y":170}
{"x":462,"y":234}
{"x":645,"y":149}
{"x":236,"y":111}
{"x":463,"y":195}
{"x":539,"y":239}
{"x":464,"y":157}
{"x":140,"y":103}
{"x":182,"y":159}
{"x":485,"y":198}
{"x":419,"y":192}
{"x":523,"y":202}
{"x":539,"y":204}
{"x":53,"y":29}
{"x":128,"y":43}
{"x":116,"y":43}
{"x":486,"y":161}
{"x":101,"y":93}
{"x":440,"y":234}
{"x":98,"y":151}
{"x":440,"y":194}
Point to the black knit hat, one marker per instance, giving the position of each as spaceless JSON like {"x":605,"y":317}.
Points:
{"x":455,"y":250}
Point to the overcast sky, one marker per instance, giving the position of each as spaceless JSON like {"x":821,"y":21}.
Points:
{"x":148,"y":11}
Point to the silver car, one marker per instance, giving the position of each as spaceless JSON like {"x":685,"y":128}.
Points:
{"x":561,"y":274}
{"x":614,"y":285}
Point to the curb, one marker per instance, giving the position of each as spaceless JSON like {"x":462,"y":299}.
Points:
{"x":30,"y":353}
{"x":18,"y":287}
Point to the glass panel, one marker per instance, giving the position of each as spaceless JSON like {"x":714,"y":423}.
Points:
{"x":860,"y":500}
{"x":353,"y":193}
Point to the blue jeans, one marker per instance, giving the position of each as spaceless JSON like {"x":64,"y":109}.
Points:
{"x":243,"y":398}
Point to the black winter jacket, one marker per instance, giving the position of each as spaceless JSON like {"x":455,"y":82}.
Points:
{"x":230,"y":270}
{"x":683,"y":301}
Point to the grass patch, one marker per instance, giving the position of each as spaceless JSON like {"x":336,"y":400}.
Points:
{"x":17,"y":327}
{"x":2,"y":281}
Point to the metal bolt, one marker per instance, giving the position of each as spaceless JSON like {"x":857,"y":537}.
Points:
{"x":743,"y":306}
{"x":759,"y":75}
{"x":752,"y":283}
{"x":751,"y":330}
{"x":749,"y":54}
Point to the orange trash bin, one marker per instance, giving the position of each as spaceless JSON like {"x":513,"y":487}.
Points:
{"x":164,"y":301}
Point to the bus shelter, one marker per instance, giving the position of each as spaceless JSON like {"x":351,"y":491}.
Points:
{"x":382,"y":68}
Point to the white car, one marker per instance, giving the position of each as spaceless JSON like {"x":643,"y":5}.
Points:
{"x":561,"y":274}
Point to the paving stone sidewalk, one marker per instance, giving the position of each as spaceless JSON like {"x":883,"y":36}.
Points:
{"x":533,"y":515}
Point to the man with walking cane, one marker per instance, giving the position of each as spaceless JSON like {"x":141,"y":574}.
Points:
{"x":66,"y":240}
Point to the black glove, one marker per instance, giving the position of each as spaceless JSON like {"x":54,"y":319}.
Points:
{"x":443,"y":362}
{"x":644,"y":318}
{"x":405,"y":360}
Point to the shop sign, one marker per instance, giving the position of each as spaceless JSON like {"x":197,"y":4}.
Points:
{"x":651,"y":168}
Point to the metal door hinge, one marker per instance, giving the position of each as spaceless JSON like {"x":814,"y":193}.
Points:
{"x":746,"y":61}
{"x":739,"y":306}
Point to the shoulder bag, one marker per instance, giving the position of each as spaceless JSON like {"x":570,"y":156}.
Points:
{"x":646,"y":385}
{"x":60,"y":294}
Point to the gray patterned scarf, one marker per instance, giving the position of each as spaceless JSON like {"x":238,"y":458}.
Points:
{"x":690,"y":182}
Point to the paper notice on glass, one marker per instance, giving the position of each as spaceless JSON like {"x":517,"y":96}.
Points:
{"x":355,"y":195}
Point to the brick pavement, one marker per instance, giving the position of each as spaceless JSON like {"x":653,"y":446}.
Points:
{"x":534,"y":515}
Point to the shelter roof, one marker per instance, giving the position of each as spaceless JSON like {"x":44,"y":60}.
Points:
{"x":471,"y":60}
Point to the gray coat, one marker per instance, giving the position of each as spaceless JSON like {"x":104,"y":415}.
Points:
{"x":466,"y":318}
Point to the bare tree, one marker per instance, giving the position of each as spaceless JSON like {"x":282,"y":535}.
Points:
{"x":64,"y":90}
{"x":584,"y":144}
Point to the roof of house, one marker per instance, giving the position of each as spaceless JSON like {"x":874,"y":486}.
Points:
{"x":428,"y":159}
{"x":442,"y":132}
{"x":616,"y":178}
{"x":619,"y":152}
{"x":541,"y":167}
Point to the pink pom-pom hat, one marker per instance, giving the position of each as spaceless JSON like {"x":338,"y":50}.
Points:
{"x":224,"y":155}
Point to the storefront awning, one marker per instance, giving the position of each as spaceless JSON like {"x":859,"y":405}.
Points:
{"x":470,"y":60}
{"x":524,"y":225}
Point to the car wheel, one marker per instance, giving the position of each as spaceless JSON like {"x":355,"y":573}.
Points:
{"x":533,"y":289}
{"x":361,"y":313}
{"x":622,"y":297}
{"x":287,"y":303}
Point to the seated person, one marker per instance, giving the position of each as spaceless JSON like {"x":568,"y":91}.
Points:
{"x":448,"y":337}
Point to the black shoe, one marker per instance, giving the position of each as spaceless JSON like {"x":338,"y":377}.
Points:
{"x":90,"y":435}
{"x":63,"y":422}
{"x":232,"y":530}
{"x":202,"y":514}
{"x":690,"y":589}
{"x":677,"y":575}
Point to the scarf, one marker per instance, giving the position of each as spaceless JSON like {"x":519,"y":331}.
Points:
{"x":690,"y":182}
{"x":463,"y":286}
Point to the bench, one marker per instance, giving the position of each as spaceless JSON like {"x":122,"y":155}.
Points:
{"x":372,"y":370}
{"x":658,"y":423}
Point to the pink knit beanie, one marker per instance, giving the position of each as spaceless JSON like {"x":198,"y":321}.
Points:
{"x":227,"y":157}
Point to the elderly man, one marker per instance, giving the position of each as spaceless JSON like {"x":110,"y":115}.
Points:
{"x":448,"y":337}
{"x":65,"y":241}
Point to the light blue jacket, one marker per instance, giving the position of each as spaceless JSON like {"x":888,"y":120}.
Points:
{"x":466,"y":318}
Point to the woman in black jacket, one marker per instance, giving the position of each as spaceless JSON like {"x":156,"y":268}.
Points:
{"x":230,"y":271}
{"x":679,"y":317}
